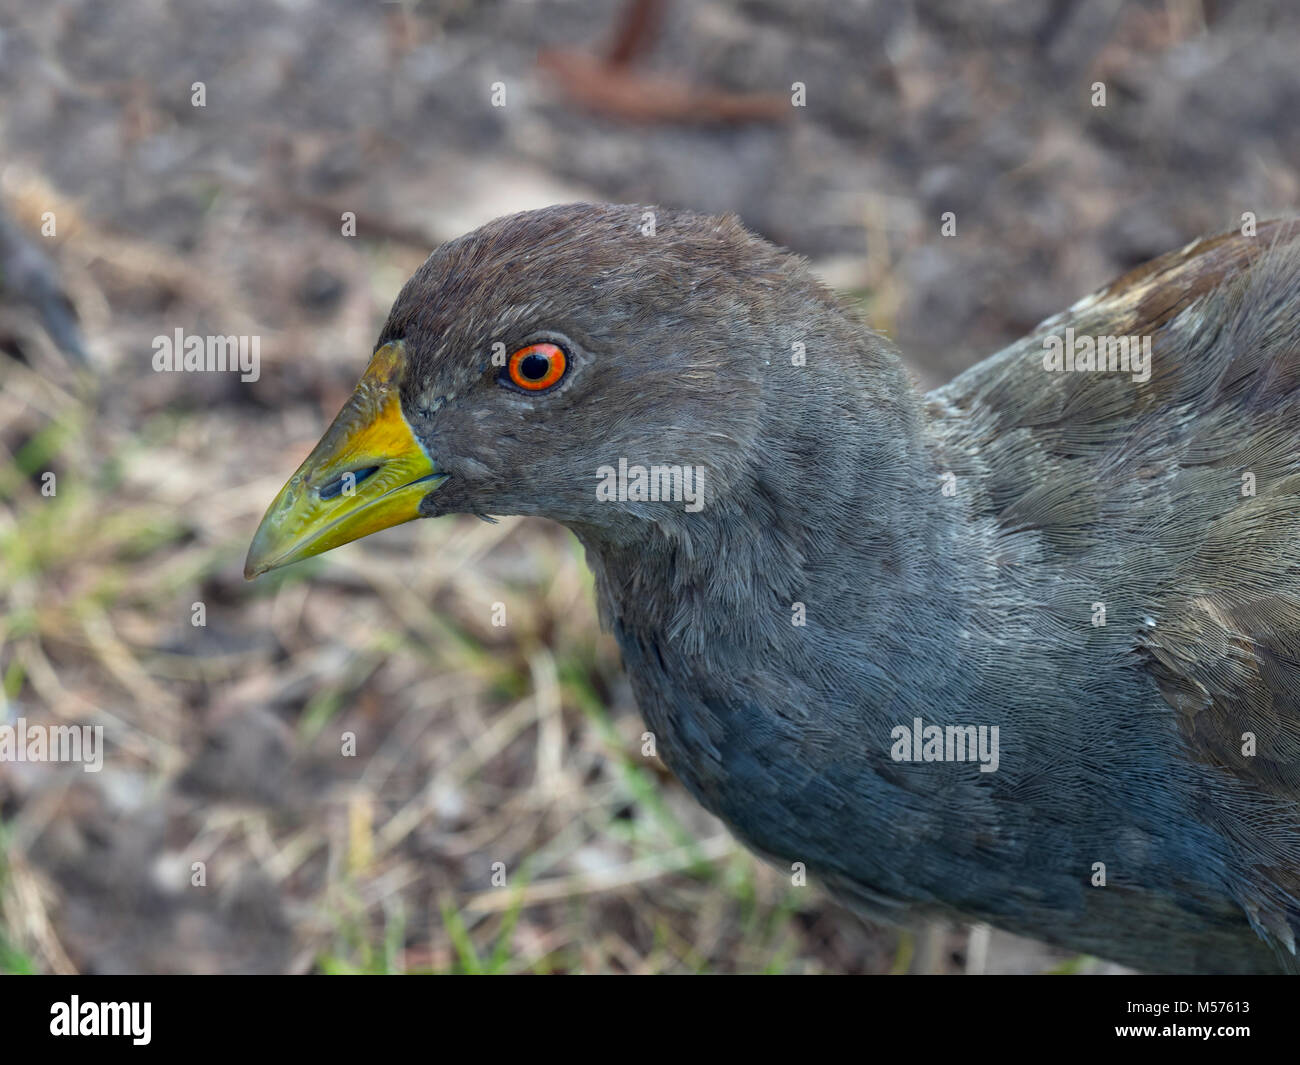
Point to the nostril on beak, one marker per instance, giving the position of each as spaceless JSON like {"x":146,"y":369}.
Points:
{"x":352,"y":478}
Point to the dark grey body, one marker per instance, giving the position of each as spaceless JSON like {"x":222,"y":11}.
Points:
{"x":1119,"y":744}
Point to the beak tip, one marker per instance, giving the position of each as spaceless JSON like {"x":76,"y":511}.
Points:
{"x":255,"y":560}
{"x":260,"y":556}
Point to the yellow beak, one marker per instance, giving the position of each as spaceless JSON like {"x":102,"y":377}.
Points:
{"x":368,"y":472}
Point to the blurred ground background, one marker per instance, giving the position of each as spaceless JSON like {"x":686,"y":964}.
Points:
{"x":481,"y":744}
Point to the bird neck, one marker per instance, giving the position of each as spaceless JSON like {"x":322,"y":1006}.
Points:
{"x":837,"y":552}
{"x":777,"y":640}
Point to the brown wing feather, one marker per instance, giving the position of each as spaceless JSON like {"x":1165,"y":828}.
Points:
{"x":1223,"y":635}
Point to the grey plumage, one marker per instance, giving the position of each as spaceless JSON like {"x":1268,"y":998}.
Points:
{"x":1120,"y":743}
{"x":28,"y":275}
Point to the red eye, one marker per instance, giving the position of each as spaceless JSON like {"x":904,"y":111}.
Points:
{"x":537,"y":367}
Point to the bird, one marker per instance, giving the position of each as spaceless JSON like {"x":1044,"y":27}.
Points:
{"x":1023,"y":650}
{"x":29,"y":276}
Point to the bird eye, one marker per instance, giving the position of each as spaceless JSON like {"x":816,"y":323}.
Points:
{"x":537,"y":367}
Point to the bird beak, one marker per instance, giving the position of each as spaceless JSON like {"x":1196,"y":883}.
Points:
{"x":367,"y":473}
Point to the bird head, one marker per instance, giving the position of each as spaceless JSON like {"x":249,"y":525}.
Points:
{"x":526,"y":364}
